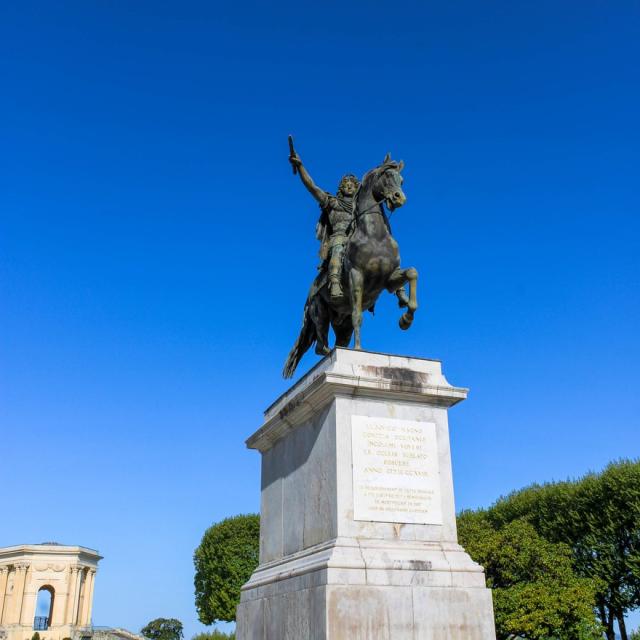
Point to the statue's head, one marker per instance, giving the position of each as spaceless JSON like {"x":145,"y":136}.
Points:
{"x":348,"y":185}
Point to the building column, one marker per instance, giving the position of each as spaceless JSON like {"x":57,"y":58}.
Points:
{"x":28,"y":601}
{"x":4,"y":576}
{"x":75,"y":619}
{"x":21,"y":578}
{"x":82,"y":610}
{"x":87,"y":598}
{"x":69,"y":606}
{"x":93,"y":584}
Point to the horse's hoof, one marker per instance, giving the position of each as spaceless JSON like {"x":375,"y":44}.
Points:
{"x":405,"y":322}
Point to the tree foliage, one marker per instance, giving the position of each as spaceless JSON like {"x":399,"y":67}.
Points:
{"x":163,"y":629}
{"x":598,"y":517}
{"x":214,"y":635}
{"x":224,"y":561}
{"x":536,"y":593}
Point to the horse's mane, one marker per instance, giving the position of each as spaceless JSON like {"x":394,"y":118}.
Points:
{"x":375,"y":172}
{"x":368,"y":178}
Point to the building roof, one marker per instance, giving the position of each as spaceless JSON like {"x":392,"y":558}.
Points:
{"x":48,"y":548}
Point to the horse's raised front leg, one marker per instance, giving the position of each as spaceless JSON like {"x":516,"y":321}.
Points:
{"x":356,"y":282}
{"x":396,"y":284}
{"x":403,"y":298}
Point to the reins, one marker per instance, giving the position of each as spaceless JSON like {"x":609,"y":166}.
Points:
{"x":378,"y":205}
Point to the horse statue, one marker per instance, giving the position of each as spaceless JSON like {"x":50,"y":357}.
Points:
{"x":371,"y":263}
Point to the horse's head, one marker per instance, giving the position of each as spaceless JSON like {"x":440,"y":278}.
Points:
{"x":387,"y":183}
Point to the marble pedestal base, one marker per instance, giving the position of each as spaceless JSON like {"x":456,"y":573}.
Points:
{"x":358,"y":538}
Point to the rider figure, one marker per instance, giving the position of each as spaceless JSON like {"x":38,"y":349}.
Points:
{"x":335,"y":220}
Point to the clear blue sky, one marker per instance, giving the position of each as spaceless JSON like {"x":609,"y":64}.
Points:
{"x":156,"y":249}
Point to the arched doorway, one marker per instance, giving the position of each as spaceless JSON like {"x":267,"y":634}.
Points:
{"x":44,"y":608}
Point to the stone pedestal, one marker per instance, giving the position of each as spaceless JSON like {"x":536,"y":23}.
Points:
{"x":358,"y":533}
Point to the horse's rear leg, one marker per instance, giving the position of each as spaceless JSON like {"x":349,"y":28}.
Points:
{"x":344,"y":330}
{"x":320,"y":316}
{"x":396,"y":284}
{"x":356,"y":282}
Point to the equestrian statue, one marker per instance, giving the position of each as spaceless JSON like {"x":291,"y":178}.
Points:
{"x":360,"y":258}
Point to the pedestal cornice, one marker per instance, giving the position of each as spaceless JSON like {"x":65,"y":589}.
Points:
{"x":355,"y":374}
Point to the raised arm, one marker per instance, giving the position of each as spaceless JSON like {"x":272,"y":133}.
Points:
{"x":314,"y":190}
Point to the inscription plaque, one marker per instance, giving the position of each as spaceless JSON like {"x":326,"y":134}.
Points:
{"x":396,"y":477}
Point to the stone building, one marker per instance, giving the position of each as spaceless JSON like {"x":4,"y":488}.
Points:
{"x":46,"y":588}
{"x":109,"y":633}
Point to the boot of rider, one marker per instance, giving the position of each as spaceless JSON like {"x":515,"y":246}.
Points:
{"x":335,"y":264}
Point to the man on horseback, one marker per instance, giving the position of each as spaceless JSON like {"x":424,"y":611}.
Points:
{"x":334,"y":225}
{"x":359,"y":253}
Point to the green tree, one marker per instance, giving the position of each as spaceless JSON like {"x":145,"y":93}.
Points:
{"x":536,"y":593}
{"x":598,"y":516}
{"x":163,"y":629}
{"x":224,"y":561}
{"x":610,"y":546}
{"x":214,"y":635}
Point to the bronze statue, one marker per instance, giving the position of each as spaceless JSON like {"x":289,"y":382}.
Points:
{"x":335,"y":219}
{"x":360,"y":258}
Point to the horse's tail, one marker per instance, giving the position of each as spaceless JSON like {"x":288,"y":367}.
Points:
{"x":306,"y":338}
